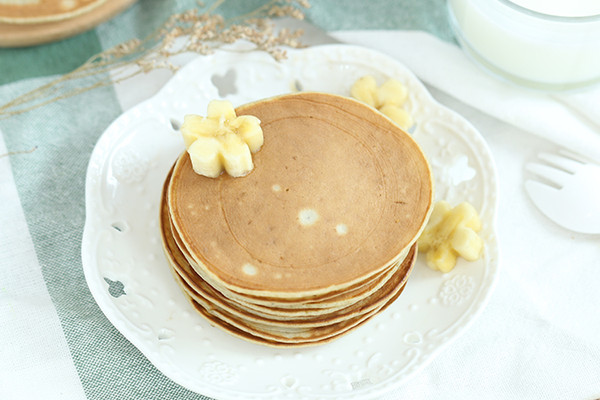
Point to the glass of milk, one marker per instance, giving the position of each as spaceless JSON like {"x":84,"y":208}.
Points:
{"x":542,"y":44}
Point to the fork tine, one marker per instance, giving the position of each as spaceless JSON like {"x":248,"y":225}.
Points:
{"x":567,"y":164}
{"x":574,"y":156}
{"x":554,"y":176}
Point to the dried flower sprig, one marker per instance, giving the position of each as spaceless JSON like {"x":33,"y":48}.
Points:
{"x":14,"y":153}
{"x":190,"y":31}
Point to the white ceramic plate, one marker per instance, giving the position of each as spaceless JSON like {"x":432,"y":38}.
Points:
{"x":130,"y":279}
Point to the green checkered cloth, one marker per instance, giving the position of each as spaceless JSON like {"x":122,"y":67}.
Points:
{"x":50,"y":180}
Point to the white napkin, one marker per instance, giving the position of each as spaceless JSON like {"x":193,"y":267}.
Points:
{"x":571,"y":120}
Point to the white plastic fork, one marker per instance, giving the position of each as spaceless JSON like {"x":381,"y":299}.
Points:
{"x":566,"y":190}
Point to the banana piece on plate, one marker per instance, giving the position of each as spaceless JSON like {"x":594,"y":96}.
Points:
{"x":222,"y":141}
{"x":389,"y":98}
{"x":450,"y":233}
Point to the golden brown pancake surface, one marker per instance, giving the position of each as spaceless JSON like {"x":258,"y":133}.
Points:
{"x":338,"y":193}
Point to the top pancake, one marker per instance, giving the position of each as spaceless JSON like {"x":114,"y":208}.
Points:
{"x":338,"y":193}
{"x":39,"y":11}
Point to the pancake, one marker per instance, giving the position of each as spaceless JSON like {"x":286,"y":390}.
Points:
{"x":242,"y":334}
{"x":195,"y":285}
{"x":359,"y":308}
{"x":305,"y":306}
{"x":317,"y":239}
{"x":203,"y":293}
{"x":284,"y":327}
{"x":338,"y":194}
{"x":296,"y":339}
{"x":40,"y":11}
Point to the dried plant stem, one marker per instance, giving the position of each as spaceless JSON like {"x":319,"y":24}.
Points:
{"x":190,"y":31}
{"x":14,"y":153}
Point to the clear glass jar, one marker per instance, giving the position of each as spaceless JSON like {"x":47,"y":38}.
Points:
{"x":530,"y":48}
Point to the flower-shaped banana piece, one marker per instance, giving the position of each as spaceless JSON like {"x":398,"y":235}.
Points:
{"x":221,"y":140}
{"x":388,"y":98}
{"x":451,"y":232}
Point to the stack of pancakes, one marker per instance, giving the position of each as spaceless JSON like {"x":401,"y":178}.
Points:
{"x":317,"y":239}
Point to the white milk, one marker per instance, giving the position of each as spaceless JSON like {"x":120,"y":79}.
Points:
{"x":536,"y":50}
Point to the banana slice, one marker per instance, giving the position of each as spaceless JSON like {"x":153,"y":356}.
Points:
{"x":222,"y":141}
{"x":389,"y":98}
{"x":450,"y":233}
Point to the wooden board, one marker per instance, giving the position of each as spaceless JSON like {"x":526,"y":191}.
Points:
{"x":20,"y":35}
